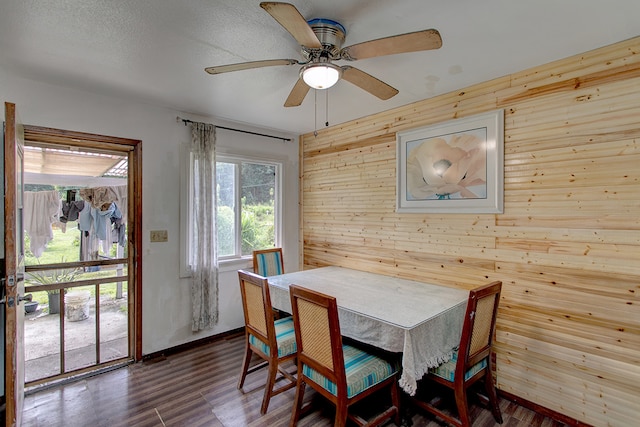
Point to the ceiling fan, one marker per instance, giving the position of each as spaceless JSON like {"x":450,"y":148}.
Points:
{"x":321,"y":42}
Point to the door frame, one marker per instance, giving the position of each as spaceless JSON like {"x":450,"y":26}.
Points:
{"x":13,"y":270}
{"x":133,"y":149}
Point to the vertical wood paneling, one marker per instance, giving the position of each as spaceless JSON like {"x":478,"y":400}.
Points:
{"x":567,"y":246}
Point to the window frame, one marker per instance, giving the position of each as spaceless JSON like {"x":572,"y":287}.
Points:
{"x":186,"y":183}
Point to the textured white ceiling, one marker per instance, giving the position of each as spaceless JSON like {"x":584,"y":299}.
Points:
{"x":155,"y":51}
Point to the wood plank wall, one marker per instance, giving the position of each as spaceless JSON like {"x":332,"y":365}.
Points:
{"x":567,"y":246}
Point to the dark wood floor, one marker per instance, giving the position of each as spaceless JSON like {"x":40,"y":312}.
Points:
{"x":197,"y":387}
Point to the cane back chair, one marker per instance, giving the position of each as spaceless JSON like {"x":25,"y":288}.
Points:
{"x":342,"y":373}
{"x":268,"y":262}
{"x":272,"y":340}
{"x":473,"y":359}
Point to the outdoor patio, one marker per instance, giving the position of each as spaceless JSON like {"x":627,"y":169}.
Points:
{"x":42,"y":338}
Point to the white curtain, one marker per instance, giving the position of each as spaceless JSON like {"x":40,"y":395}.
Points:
{"x":204,"y":256}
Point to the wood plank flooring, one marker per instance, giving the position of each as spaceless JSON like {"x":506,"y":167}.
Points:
{"x":197,"y":387}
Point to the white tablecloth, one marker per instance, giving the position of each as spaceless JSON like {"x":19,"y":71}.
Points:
{"x":422,"y":321}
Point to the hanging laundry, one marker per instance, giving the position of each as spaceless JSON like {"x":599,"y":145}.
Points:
{"x":85,"y":219}
{"x":99,"y":196}
{"x":104,"y":215}
{"x":118,"y":232}
{"x":40,"y":210}
{"x":121,"y":200}
{"x":101,"y":220}
{"x":71,"y":210}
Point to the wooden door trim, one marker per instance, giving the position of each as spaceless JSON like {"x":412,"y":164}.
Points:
{"x":11,"y":388}
{"x":47,"y":135}
{"x":39,"y":134}
{"x":135,"y":255}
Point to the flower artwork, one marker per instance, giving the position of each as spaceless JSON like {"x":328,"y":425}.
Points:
{"x":452,"y":167}
{"x":446,"y":167}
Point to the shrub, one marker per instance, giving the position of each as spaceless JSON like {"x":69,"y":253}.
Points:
{"x":48,"y":277}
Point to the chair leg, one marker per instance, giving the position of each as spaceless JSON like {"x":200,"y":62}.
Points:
{"x":245,"y":363}
{"x":462,"y":403}
{"x":297,"y":403}
{"x":493,"y":397}
{"x":342,"y":411}
{"x":395,"y":401}
{"x":271,"y":380}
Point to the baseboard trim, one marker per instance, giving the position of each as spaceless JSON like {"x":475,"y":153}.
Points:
{"x":542,"y":410}
{"x":193,"y":344}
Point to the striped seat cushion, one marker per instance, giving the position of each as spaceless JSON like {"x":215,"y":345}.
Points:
{"x":285,"y":336}
{"x":363,"y":370}
{"x":447,"y":369}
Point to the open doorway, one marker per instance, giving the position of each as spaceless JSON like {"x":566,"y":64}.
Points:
{"x":85,"y":275}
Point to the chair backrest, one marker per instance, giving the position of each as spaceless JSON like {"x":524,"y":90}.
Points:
{"x":256,"y":303}
{"x":315,"y":319}
{"x":478,"y":327}
{"x":268,"y":262}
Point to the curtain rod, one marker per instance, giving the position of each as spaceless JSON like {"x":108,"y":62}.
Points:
{"x":185,"y":121}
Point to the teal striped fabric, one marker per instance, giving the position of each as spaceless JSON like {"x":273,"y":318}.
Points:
{"x":285,"y":336}
{"x":448,"y":369}
{"x":269,"y":264}
{"x":363,"y":370}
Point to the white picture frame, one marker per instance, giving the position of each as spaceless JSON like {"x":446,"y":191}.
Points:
{"x":452,"y":167}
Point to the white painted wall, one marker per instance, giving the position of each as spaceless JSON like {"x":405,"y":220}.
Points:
{"x":166,"y":298}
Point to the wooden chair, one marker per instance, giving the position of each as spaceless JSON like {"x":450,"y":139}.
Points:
{"x":343,"y":374}
{"x":273,"y":341}
{"x":268,"y":262}
{"x":472,"y":361}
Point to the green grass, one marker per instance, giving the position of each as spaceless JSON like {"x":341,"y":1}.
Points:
{"x":64,"y":246}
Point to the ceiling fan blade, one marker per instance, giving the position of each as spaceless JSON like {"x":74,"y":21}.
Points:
{"x":290,"y":18}
{"x":248,"y":65}
{"x":410,"y":42}
{"x":299,"y":91}
{"x":368,"y":82}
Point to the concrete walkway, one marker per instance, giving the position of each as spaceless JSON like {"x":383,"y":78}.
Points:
{"x":42,"y":339}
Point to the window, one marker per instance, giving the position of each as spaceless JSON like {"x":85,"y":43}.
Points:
{"x":250,"y":186}
{"x":248,"y":197}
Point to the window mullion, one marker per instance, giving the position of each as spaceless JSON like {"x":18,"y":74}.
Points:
{"x":277,"y":206}
{"x":238,"y":209}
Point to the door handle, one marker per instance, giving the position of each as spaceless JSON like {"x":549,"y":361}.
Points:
{"x":10,"y":301}
{"x":27,"y":298}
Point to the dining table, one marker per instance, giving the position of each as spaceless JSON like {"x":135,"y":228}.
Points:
{"x":422,"y":322}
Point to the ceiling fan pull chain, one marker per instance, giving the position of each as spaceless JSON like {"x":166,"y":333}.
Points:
{"x":315,"y":112}
{"x":326,"y":113}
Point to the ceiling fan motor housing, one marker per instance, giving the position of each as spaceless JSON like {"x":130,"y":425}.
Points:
{"x":331,"y":35}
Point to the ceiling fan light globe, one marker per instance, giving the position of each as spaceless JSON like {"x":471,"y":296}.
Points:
{"x":321,"y":76}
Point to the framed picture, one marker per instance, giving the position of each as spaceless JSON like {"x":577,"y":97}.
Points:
{"x":452,"y":167}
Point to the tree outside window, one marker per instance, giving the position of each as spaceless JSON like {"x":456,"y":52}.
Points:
{"x":247,"y":205}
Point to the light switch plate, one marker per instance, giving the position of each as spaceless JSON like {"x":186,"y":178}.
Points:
{"x":159,"y":236}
